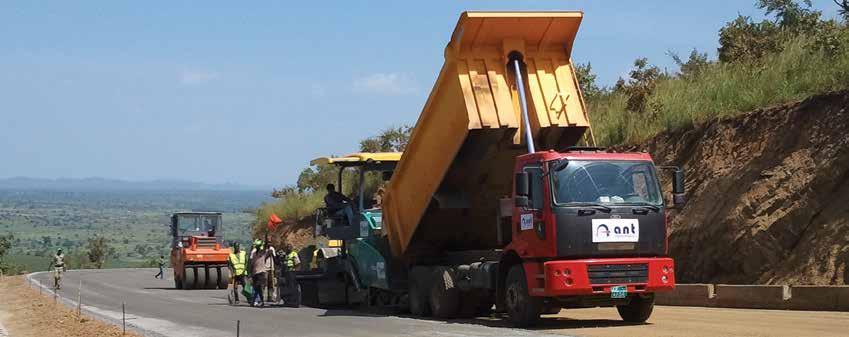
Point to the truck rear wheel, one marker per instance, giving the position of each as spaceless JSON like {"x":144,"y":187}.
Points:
{"x":522,"y":309}
{"x":637,"y":311}
{"x":418,"y":295}
{"x":444,"y":295}
{"x":189,"y":278}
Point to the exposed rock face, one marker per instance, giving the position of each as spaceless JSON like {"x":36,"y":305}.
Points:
{"x":768,"y":195}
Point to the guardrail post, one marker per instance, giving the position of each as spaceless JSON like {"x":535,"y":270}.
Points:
{"x":80,"y":299}
{"x":238,"y":323}
{"x":124,"y":318}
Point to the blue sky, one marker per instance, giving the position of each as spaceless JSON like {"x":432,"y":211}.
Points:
{"x":220,"y":92}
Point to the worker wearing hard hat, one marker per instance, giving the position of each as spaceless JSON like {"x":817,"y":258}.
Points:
{"x":237,"y":262}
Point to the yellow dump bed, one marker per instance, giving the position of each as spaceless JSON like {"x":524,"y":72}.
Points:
{"x":459,"y":160}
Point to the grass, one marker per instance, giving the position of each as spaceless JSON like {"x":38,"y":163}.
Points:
{"x":292,"y":207}
{"x":721,"y":90}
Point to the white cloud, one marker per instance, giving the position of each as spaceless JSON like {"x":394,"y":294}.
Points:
{"x":192,"y":77}
{"x":385,"y":84}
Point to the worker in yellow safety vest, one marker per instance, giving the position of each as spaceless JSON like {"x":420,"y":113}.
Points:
{"x":291,"y":262}
{"x":237,"y":263}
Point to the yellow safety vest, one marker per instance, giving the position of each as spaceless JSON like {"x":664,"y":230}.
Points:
{"x":238,"y":262}
{"x":291,"y":258}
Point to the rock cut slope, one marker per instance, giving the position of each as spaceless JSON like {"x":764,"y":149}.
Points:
{"x":768,"y":195}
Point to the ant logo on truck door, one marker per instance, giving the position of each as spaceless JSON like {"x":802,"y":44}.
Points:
{"x":526,"y":222}
{"x":616,"y":230}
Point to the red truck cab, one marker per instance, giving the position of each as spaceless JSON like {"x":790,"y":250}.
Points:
{"x":589,"y":228}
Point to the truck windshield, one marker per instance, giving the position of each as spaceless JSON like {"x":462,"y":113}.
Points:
{"x":606,"y":182}
{"x":197,"y":223}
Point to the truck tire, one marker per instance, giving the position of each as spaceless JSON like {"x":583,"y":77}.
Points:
{"x":189,"y":278}
{"x":223,"y":277}
{"x":200,"y":278}
{"x":418,"y":296}
{"x":523,"y":309}
{"x":444,"y":294}
{"x":637,"y":311}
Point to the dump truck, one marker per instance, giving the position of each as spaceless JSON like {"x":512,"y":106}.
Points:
{"x":501,"y":199}
{"x":198,"y":253}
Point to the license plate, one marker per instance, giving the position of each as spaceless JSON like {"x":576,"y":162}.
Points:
{"x":618,"y":292}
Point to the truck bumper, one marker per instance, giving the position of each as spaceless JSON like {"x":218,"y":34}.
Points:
{"x":597,"y":276}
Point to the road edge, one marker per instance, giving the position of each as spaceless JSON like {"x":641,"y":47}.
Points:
{"x":34,"y":282}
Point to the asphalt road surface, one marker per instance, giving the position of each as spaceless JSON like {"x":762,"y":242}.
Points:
{"x":155,"y":308}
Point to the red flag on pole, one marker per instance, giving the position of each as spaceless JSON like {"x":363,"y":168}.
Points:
{"x":273,"y":222}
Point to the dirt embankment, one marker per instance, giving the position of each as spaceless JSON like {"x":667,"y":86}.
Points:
{"x":26,"y":313}
{"x":768,"y":195}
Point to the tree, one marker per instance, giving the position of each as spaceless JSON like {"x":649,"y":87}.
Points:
{"x":641,"y":84}
{"x":745,"y":40}
{"x":791,"y":15}
{"x":393,"y":139}
{"x":844,"y":9}
{"x":98,"y":250}
{"x":5,"y":245}
{"x":587,"y":80}
{"x":694,"y":64}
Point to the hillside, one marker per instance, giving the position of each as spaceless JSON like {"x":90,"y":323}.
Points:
{"x":767,"y":194}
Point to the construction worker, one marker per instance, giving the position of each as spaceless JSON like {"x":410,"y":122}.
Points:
{"x":161,"y":262}
{"x":237,"y":263}
{"x":291,"y":263}
{"x":58,"y":265}
{"x":261,"y":259}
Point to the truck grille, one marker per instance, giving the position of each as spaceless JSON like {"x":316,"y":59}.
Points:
{"x":618,"y":273}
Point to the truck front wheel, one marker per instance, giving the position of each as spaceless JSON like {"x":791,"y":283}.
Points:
{"x":638,"y":310}
{"x":522,"y":309}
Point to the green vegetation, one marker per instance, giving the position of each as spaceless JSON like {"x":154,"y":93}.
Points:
{"x":793,"y":56}
{"x":126,"y":228}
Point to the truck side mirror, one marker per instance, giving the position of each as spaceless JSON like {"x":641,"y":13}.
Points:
{"x":522,"y":182}
{"x":678,"y":198}
{"x":521,"y":201}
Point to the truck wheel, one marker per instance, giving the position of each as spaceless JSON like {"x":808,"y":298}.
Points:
{"x":418,"y":296}
{"x":189,"y":278}
{"x":200,"y":278}
{"x":522,"y":308}
{"x":638,"y":311}
{"x":444,"y":295}
{"x":223,"y":277}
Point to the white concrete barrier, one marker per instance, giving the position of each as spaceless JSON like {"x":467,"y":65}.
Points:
{"x":691,"y":295}
{"x":822,"y":298}
{"x":831,"y":298}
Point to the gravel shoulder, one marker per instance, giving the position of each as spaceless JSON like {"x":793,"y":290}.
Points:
{"x":26,"y":312}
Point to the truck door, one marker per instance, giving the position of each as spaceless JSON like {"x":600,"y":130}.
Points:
{"x":531,"y":228}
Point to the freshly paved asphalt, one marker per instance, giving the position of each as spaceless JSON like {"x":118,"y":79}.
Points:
{"x":155,"y":308}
